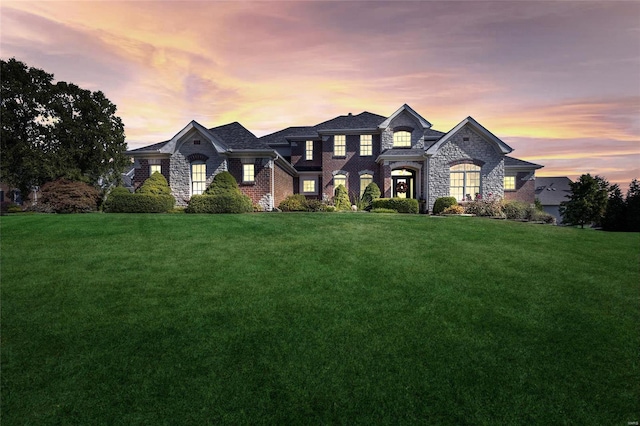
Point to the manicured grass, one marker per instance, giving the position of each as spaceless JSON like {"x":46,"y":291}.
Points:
{"x":316,"y":319}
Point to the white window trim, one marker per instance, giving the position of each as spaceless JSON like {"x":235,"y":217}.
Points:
{"x":344,"y":146}
{"x":191,"y":176}
{"x":308,"y":153}
{"x":370,"y":146}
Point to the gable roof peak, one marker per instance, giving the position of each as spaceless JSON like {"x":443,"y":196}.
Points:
{"x":406,"y":108}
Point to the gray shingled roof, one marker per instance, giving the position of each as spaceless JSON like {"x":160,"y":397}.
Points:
{"x":154,"y":147}
{"x":279,"y":138}
{"x":236,"y":136}
{"x":364,"y":120}
{"x":515,"y":162}
{"x":433,"y":132}
{"x":551,"y":191}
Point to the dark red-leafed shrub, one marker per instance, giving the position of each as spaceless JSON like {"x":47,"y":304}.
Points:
{"x":68,"y":196}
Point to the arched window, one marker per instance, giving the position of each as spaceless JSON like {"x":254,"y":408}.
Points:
{"x":339,"y":179}
{"x":464,"y":181}
{"x":198,"y":178}
{"x":402,"y":139}
{"x":365,"y":179}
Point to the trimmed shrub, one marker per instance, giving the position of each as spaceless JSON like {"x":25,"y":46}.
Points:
{"x":341,"y":199}
{"x":516,"y":209}
{"x":223,"y":183}
{"x":401,"y":205}
{"x":535,"y":215}
{"x":443,"y":203}
{"x":125,"y":202}
{"x":383,"y":211}
{"x":316,"y":206}
{"x":68,"y":196}
{"x":371,"y":192}
{"x":454,"y":210}
{"x":294,"y":203}
{"x":222,"y":203}
{"x":156,"y":184}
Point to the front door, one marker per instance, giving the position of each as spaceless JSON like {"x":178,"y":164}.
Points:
{"x":403,"y":183}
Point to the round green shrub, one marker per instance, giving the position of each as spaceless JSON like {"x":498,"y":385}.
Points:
{"x":443,"y":203}
{"x":223,"y":183}
{"x":371,"y":192}
{"x":294,"y":203}
{"x":156,"y":184}
{"x":341,"y":199}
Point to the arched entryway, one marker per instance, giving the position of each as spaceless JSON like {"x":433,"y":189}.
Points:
{"x":403,"y":183}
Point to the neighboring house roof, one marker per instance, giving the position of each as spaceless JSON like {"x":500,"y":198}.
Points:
{"x":551,"y":191}
{"x":502,"y":147}
{"x":364,"y":120}
{"x":405,"y":108}
{"x":515,"y":163}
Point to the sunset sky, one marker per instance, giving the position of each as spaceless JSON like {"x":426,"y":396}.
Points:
{"x":558,"y":81}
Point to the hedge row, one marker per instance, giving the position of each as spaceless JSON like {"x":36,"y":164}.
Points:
{"x":401,"y":205}
{"x":222,"y":203}
{"x":126,"y":202}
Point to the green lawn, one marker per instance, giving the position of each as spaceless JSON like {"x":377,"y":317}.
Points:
{"x":316,"y":319}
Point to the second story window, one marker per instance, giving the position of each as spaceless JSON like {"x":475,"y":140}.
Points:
{"x":339,"y":146}
{"x":402,"y":139}
{"x":365,"y":145}
{"x":308,"y":150}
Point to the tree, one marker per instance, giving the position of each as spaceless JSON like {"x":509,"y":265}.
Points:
{"x":633,"y":207}
{"x":56,"y":130}
{"x":587,"y":202}
{"x":615,"y":217}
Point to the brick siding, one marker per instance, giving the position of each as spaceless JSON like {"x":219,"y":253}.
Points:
{"x":283,"y":183}
{"x":525,"y":188}
{"x":262,"y":183}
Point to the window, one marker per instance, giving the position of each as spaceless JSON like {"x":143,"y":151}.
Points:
{"x":402,"y":139}
{"x":509,"y":183}
{"x":464,"y":181}
{"x":308,"y":150}
{"x":365,"y":145}
{"x":365,"y":180}
{"x":339,"y":180}
{"x":309,"y":186}
{"x":339,"y":146}
{"x":155,"y":168}
{"x":198,"y":178}
{"x":248,"y":173}
{"x":196,"y":142}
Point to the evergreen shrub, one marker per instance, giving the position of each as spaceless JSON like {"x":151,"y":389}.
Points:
{"x":442,"y":203}
{"x":156,"y":184}
{"x":120,"y":200}
{"x":223,"y":183}
{"x":222,"y":203}
{"x":341,"y":199}
{"x":401,"y":205}
{"x":371,"y":192}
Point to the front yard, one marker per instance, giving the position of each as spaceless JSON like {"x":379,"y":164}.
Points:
{"x":316,"y":318}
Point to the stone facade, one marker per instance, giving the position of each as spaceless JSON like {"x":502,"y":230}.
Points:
{"x":465,"y":145}
{"x":180,"y":166}
{"x":403,"y":121}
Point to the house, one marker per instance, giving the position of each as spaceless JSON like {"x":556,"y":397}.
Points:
{"x":551,"y":191}
{"x":402,"y":153}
